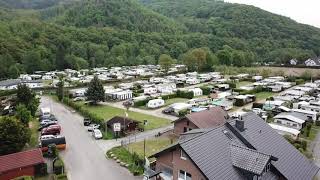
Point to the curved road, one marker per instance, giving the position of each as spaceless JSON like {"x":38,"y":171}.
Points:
{"x":83,"y":157}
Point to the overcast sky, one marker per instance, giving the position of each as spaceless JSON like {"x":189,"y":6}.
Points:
{"x":303,"y":11}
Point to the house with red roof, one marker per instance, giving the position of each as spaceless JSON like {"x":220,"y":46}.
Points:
{"x":26,"y":163}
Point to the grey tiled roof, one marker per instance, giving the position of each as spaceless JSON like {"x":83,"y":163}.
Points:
{"x":249,"y":159}
{"x":210,"y":151}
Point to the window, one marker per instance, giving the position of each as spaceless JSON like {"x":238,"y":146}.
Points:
{"x":185,"y":129}
{"x":183,"y":155}
{"x":188,"y":123}
{"x":294,"y":125}
{"x":184,"y":175}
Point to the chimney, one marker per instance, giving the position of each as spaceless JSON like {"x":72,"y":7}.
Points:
{"x":240,"y":124}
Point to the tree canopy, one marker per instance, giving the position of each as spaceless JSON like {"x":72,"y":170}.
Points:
{"x":87,"y":34}
{"x":13,"y":135}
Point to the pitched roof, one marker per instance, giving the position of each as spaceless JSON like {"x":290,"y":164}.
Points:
{"x":209,"y":118}
{"x":211,"y":151}
{"x":122,"y":120}
{"x":292,"y":116}
{"x":20,"y":160}
{"x":249,"y":159}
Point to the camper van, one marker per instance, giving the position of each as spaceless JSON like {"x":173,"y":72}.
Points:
{"x":45,"y":112}
{"x":155,"y":103}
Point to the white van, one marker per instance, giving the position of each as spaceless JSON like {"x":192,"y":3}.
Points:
{"x":45,"y":112}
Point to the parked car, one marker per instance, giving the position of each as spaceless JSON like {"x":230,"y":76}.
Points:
{"x":168,"y":110}
{"x":47,"y":125}
{"x":86,"y":122}
{"x":79,"y":99}
{"x":97,"y":134}
{"x":59,"y":141}
{"x":44,"y":122}
{"x":50,"y":117}
{"x":50,"y":136}
{"x":53,"y":129}
{"x":92,"y":127}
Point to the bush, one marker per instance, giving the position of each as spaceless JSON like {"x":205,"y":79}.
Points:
{"x":205,"y":90}
{"x":304,"y":144}
{"x":169,"y":96}
{"x":232,"y":84}
{"x":183,"y":94}
{"x":299,"y":81}
{"x":141,"y":103}
{"x":317,"y":123}
{"x":183,"y":113}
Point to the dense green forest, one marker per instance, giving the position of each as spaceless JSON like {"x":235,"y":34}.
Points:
{"x":49,"y":35}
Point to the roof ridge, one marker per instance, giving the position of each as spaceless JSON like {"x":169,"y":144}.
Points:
{"x":201,"y":134}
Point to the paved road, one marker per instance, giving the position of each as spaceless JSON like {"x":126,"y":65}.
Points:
{"x":84,"y":158}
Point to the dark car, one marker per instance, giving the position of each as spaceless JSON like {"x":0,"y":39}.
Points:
{"x":51,"y":117}
{"x":86,"y":121}
{"x":47,"y":125}
{"x":168,"y":110}
{"x":60,"y":143}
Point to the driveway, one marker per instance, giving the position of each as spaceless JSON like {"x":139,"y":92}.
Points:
{"x":84,"y":158}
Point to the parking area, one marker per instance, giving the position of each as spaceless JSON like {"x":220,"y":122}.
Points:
{"x":84,"y":156}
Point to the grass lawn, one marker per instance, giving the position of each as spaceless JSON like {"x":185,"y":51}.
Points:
{"x":152,"y":146}
{"x":264,"y":95}
{"x":108,"y":112}
{"x":34,"y":125}
{"x":175,"y":100}
{"x":135,"y":163}
{"x":243,"y":83}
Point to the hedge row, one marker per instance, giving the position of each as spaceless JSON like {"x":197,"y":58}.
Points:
{"x":253,"y":91}
{"x":7,"y":92}
{"x":94,"y":118}
{"x":205,"y":90}
{"x":184,"y":94}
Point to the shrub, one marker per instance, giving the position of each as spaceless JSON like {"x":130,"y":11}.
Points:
{"x":183,"y":94}
{"x":299,"y":81}
{"x":141,"y":103}
{"x":304,"y":144}
{"x":206,"y":90}
{"x":317,"y":123}
{"x":183,"y":113}
{"x":169,"y":96}
{"x":232,"y":84}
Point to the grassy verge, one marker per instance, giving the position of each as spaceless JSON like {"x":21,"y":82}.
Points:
{"x":34,"y":125}
{"x":108,"y":112}
{"x":264,"y":95}
{"x":107,"y":135}
{"x":152,"y":146}
{"x":134,"y":162}
{"x":243,"y":83}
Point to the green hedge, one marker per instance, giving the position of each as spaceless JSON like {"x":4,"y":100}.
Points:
{"x":299,"y":81}
{"x":205,"y":90}
{"x":183,"y":94}
{"x":7,"y":92}
{"x":93,"y":117}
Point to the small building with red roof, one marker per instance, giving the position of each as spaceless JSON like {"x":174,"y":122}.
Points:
{"x":25,"y":163}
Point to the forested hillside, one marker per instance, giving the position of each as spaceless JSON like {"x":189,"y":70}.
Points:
{"x":30,"y":4}
{"x":91,"y":33}
{"x":121,"y":14}
{"x":265,"y":31}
